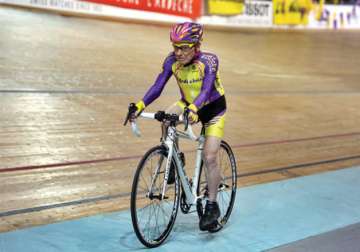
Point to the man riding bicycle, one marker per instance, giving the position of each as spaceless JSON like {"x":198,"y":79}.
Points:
{"x":202,"y":96}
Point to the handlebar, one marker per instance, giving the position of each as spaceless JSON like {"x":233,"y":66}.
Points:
{"x":162,"y":116}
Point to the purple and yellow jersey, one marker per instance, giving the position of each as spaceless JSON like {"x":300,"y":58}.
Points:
{"x":199,"y":81}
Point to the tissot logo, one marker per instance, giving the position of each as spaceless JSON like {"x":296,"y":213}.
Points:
{"x":256,"y":9}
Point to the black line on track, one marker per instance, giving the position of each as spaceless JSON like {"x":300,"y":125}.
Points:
{"x":297,"y":166}
{"x":121,"y":195}
{"x":64,"y":204}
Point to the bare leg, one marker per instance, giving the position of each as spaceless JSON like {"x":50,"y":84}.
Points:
{"x":211,"y":149}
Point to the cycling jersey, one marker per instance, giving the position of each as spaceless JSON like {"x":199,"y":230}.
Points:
{"x":199,"y":81}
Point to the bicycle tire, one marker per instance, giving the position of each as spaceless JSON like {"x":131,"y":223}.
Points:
{"x":227,"y":188}
{"x":153,"y":217}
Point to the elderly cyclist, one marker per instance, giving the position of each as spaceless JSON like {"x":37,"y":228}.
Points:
{"x":202,"y":95}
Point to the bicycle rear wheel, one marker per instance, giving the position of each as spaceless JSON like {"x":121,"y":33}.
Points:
{"x":227,"y":188}
{"x":153,"y":214}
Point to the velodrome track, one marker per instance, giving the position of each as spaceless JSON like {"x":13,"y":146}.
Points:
{"x":65,"y":83}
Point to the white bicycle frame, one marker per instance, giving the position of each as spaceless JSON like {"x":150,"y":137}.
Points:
{"x":189,"y":190}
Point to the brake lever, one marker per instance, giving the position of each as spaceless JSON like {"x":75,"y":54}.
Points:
{"x":132,"y":109}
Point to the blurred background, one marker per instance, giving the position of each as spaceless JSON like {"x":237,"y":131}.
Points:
{"x":67,"y":75}
{"x":324,"y":14}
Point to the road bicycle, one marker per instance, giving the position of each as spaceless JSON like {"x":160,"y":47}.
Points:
{"x":155,"y":201}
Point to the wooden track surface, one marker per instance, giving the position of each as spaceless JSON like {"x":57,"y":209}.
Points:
{"x":65,"y":83}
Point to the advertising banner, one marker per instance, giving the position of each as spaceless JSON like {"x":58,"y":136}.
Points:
{"x":291,"y":12}
{"x":184,"y":8}
{"x":255,"y":14}
{"x":225,"y":7}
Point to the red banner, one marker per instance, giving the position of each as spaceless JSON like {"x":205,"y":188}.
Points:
{"x":184,"y":8}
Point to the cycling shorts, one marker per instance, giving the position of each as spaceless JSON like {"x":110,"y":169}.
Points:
{"x":214,"y":127}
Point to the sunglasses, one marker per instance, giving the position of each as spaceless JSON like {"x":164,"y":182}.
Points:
{"x":183,"y":47}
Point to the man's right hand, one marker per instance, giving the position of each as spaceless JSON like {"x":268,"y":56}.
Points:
{"x":134,"y":111}
{"x":140,"y":106}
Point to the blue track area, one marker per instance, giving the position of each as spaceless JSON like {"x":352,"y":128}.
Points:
{"x":265,"y":216}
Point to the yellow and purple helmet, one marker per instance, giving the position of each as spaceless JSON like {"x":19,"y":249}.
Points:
{"x":186,"y":32}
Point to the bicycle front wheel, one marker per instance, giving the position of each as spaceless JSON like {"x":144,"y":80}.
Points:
{"x":153,"y":213}
{"x":227,"y":188}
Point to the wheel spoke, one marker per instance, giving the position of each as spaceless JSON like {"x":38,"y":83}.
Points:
{"x":152,"y":215}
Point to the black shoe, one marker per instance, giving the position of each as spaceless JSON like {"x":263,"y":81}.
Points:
{"x":209,"y":220}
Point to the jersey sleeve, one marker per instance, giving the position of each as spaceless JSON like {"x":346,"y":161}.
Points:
{"x":211,"y":63}
{"x":155,"y":90}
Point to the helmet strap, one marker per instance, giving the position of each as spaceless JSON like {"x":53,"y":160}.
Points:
{"x":197,"y":47}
